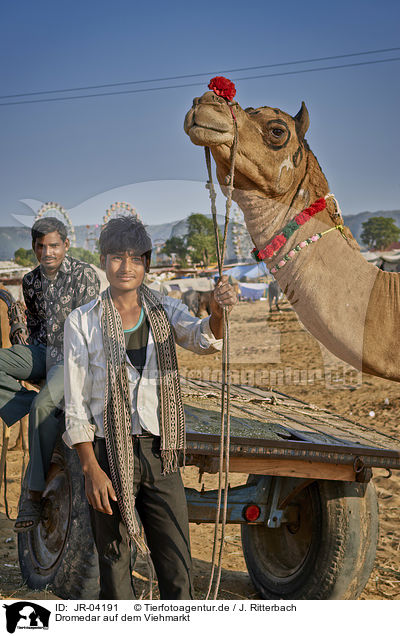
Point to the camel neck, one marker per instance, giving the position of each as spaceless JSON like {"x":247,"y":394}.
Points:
{"x":334,"y":290}
{"x":280,"y":241}
{"x":266,"y":217}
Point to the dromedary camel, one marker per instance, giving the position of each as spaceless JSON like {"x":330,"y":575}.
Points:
{"x":349,"y":305}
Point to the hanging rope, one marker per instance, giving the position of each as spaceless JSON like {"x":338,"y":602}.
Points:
{"x":225,"y":393}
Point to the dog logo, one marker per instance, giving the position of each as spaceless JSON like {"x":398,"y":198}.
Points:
{"x":26,"y":615}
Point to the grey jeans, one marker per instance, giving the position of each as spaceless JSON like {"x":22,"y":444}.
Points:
{"x":28,"y":362}
{"x":161,"y":505}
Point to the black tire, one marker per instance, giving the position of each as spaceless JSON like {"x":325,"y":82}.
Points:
{"x":328,"y":554}
{"x":60,"y":551}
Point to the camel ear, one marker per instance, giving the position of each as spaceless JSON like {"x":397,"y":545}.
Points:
{"x":302,"y":121}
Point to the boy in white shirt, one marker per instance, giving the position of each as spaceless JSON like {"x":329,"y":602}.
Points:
{"x":124,"y":412}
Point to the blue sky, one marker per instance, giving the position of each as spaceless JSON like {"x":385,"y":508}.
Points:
{"x":81,"y":152}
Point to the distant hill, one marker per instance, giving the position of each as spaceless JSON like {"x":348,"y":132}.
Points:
{"x":11,"y":238}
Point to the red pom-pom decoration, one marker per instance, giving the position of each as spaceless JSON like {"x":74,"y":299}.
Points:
{"x":223,"y":87}
{"x":302,"y":218}
{"x":267,"y":252}
{"x":278,"y":242}
{"x":316,"y":207}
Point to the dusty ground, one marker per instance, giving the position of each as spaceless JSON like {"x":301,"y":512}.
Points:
{"x":266,"y":350}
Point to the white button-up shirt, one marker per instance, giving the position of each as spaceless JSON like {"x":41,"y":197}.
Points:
{"x":85,"y":369}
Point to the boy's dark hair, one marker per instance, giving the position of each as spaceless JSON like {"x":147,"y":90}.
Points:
{"x":46,"y":225}
{"x":125,"y":234}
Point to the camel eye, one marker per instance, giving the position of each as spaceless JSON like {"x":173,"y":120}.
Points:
{"x":276,"y":134}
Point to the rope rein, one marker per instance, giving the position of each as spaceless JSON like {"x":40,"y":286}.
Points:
{"x":224,"y":447}
{"x":225,"y":392}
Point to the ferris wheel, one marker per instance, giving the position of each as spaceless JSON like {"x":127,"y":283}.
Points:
{"x":117,"y":209}
{"x":59,"y":212}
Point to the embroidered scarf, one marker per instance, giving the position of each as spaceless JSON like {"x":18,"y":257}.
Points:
{"x":118,"y":408}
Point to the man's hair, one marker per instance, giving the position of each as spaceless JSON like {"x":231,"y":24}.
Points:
{"x":46,"y":225}
{"x":125,"y":234}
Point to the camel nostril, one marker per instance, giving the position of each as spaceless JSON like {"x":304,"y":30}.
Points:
{"x":208,"y":98}
{"x":218,"y":99}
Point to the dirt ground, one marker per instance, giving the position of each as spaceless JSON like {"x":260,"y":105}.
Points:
{"x":267,"y":350}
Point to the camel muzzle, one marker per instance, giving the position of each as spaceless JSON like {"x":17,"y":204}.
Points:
{"x":209,"y":121}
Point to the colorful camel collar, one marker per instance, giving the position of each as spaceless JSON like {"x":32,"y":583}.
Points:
{"x":290,"y":228}
{"x":301,"y":245}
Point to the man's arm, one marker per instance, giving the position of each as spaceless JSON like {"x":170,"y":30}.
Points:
{"x":77,"y":384}
{"x":32,"y":321}
{"x":223,"y":296}
{"x":98,"y":486}
{"x":87,"y":286}
{"x":80,"y":431}
{"x":201,"y":336}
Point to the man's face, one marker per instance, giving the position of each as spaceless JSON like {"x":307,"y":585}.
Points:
{"x":50,"y":250}
{"x":124,"y":270}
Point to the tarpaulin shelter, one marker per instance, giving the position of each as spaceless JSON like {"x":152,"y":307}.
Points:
{"x":388,"y":261}
{"x":253,"y":270}
{"x":252,"y":291}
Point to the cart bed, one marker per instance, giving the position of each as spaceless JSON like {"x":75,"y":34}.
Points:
{"x":272,"y":433}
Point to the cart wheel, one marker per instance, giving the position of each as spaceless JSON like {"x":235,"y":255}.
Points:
{"x":327,"y":553}
{"x":60,"y":551}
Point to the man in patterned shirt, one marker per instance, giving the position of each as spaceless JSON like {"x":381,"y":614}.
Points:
{"x":51,"y":291}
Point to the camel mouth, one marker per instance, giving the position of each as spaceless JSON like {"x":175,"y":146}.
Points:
{"x":221,"y":127}
{"x":206,"y":127}
{"x":209,"y":121}
{"x":208,"y":136}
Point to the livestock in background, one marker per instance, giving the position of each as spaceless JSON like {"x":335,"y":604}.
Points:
{"x":197,"y":302}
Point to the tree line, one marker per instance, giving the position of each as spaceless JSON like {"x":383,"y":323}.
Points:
{"x":379,"y":232}
{"x":27,"y":258}
{"x":198,"y":244}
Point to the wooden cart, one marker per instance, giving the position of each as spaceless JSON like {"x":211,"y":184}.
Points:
{"x":308,"y":512}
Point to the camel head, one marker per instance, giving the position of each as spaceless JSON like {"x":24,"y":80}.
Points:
{"x":271,"y":152}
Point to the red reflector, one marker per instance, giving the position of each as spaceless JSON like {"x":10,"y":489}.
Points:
{"x":252,"y":512}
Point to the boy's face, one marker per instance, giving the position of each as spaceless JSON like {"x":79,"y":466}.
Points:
{"x":124,"y":270}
